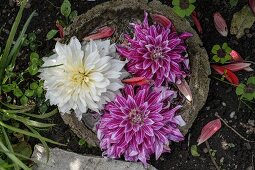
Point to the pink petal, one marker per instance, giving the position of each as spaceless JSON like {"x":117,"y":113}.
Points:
{"x":164,"y":21}
{"x":236,"y":56}
{"x":185,"y":90}
{"x":237,"y":66}
{"x":252,"y":5}
{"x":229,"y":75}
{"x":60,"y":29}
{"x":220,"y":24}
{"x":101,"y":33}
{"x":248,"y":69}
{"x":208,"y":130}
{"x":196,"y":22}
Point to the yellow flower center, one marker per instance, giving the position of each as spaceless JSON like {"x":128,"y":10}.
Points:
{"x":80,"y":77}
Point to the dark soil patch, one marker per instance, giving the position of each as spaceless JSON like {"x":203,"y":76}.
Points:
{"x":221,"y":99}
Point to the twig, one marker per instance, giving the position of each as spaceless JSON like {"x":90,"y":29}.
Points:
{"x":247,"y":140}
{"x":189,"y":139}
{"x":52,"y":4}
{"x":212,"y":158}
{"x":224,"y":81}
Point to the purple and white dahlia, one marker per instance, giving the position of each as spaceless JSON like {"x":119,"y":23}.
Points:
{"x":139,"y":123}
{"x":156,"y":52}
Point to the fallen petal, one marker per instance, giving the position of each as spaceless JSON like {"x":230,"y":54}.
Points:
{"x":101,"y":33}
{"x":185,"y":89}
{"x":133,"y":79}
{"x":248,"y":69}
{"x":208,"y":130}
{"x":220,"y":24}
{"x":236,"y":56}
{"x":252,"y":5}
{"x":229,"y":75}
{"x":196,"y":22}
{"x":237,"y":66}
{"x":136,"y":81}
{"x":164,"y":21}
{"x":60,"y":29}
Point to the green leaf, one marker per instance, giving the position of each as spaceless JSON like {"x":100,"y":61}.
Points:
{"x":251,"y":80}
{"x":13,"y":157}
{"x":18,"y":44}
{"x":82,"y":142}
{"x":29,"y":122}
{"x":42,"y":116}
{"x":29,"y":93}
{"x":8,"y":142}
{"x":216,"y":58}
{"x":7,"y":87}
{"x":179,"y":11}
{"x":17,"y":92}
{"x":224,"y":46}
{"x":33,"y":69}
{"x":23,"y":148}
{"x":43,"y":108}
{"x":23,"y":100}
{"x":65,"y":8}
{"x":34,"y":57}
{"x":31,"y":37}
{"x":33,"y":46}
{"x":73,"y":15}
{"x":189,"y":10}
{"x":240,"y":89}
{"x":39,"y":91}
{"x":5,"y":57}
{"x":194,"y":151}
{"x":33,"y":86}
{"x":215,"y":49}
{"x":248,"y":96}
{"x":233,"y":3}
{"x":192,"y":1}
{"x":176,"y":2}
{"x":27,"y":133}
{"x":51,"y":34}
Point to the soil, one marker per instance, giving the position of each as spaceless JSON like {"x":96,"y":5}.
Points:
{"x":232,"y":152}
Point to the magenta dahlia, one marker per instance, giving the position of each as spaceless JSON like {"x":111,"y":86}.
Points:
{"x":139,"y":123}
{"x":156,"y":52}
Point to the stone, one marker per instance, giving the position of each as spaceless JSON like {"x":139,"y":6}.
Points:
{"x":119,"y":14}
{"x":63,"y":160}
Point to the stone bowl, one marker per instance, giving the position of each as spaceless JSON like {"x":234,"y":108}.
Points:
{"x":119,"y":13}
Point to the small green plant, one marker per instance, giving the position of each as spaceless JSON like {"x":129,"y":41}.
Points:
{"x":17,"y":121}
{"x":183,"y":7}
{"x":35,"y":63}
{"x":247,"y":91}
{"x":31,"y":41}
{"x":221,"y":54}
{"x":194,"y":151}
{"x":68,"y":15}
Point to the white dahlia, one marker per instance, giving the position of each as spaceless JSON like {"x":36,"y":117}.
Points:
{"x":86,"y":76}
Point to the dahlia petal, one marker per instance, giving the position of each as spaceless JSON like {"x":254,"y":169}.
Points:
{"x":148,"y":130}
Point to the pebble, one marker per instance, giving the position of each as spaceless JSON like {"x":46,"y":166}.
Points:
{"x":250,"y":168}
{"x":232,"y":114}
{"x":208,"y":108}
{"x":251,"y":122}
{"x":248,"y":146}
{"x":205,"y":150}
{"x":246,"y":31}
{"x":249,"y":35}
{"x":224,"y":104}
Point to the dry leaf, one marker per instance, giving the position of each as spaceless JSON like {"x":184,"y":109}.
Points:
{"x":241,"y":20}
